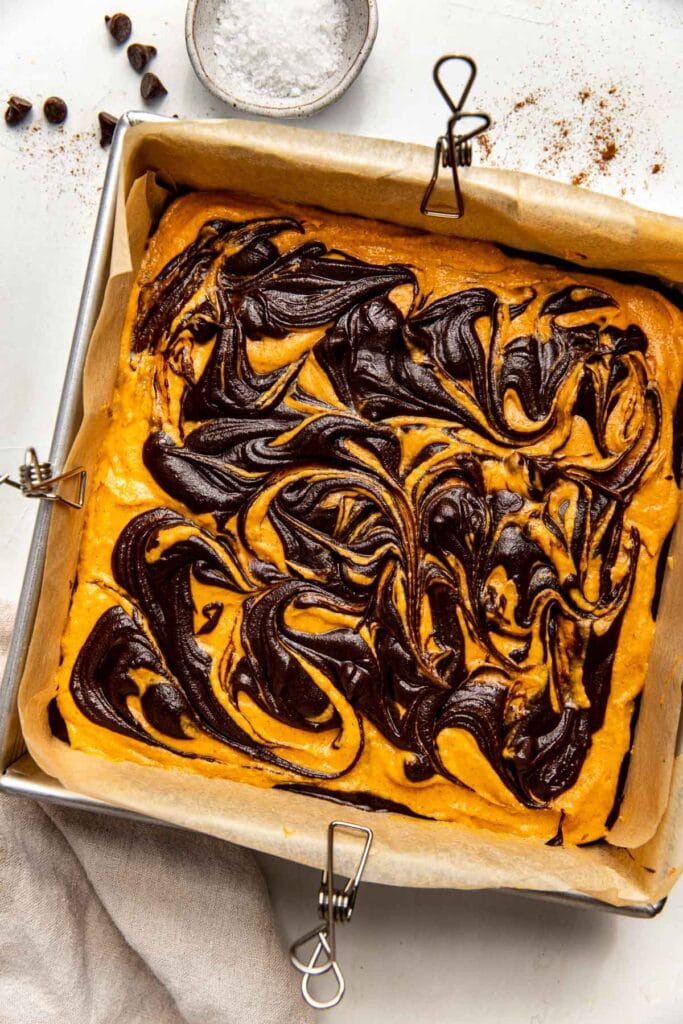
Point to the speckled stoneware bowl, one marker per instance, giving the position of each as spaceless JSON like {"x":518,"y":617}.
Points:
{"x":200,"y":25}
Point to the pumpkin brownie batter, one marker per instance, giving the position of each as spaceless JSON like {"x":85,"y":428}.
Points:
{"x":378,"y":517}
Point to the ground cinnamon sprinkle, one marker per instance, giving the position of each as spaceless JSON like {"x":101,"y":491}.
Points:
{"x":609,"y":152}
{"x":590,"y":143}
{"x":608,"y":131}
{"x":484,"y":144}
{"x":528,"y":101}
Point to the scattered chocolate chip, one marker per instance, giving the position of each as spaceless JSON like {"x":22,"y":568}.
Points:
{"x":151,"y":88}
{"x":107,"y":125}
{"x":55,"y":110}
{"x":119,"y":26}
{"x":140,"y":55}
{"x":17,"y":110}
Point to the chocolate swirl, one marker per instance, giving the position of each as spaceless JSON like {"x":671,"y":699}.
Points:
{"x":433,"y":542}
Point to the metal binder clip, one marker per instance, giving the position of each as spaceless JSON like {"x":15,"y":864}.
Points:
{"x":334,"y":906}
{"x":36,"y":481}
{"x":453,"y":150}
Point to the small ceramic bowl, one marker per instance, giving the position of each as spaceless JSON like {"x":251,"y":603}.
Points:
{"x":200,"y":26}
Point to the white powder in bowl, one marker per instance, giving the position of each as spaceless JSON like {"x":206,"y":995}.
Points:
{"x":279,"y":48}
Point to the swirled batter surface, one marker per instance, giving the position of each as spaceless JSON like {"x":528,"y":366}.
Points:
{"x":378,"y":516}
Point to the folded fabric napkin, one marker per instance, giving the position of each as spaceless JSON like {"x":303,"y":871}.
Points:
{"x":104,"y":921}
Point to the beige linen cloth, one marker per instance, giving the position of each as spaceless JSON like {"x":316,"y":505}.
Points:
{"x":103,"y":921}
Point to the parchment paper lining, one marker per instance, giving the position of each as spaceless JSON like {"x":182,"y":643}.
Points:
{"x":380,"y":179}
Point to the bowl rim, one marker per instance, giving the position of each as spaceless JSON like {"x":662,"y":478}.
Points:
{"x":299,"y":109}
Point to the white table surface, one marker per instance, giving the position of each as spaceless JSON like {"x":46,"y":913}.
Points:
{"x":409,"y":956}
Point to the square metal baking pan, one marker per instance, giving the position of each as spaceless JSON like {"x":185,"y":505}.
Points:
{"x":19,"y":774}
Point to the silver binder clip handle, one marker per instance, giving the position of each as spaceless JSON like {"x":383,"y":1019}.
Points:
{"x":36,"y":480}
{"x":335,"y":906}
{"x":453,"y":150}
{"x":312,"y":971}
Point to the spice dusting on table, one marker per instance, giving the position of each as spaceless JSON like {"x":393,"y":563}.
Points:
{"x":279,"y":48}
{"x":592,"y":141}
{"x":485,"y":142}
{"x":608,"y":152}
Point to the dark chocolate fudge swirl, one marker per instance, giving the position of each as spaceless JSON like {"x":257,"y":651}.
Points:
{"x":470,"y":559}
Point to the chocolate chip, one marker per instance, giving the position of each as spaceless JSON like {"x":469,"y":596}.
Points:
{"x":140,"y":55}
{"x":151,"y":88}
{"x":55,"y":110}
{"x":119,"y":26}
{"x":107,"y":125}
{"x":17,"y":110}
